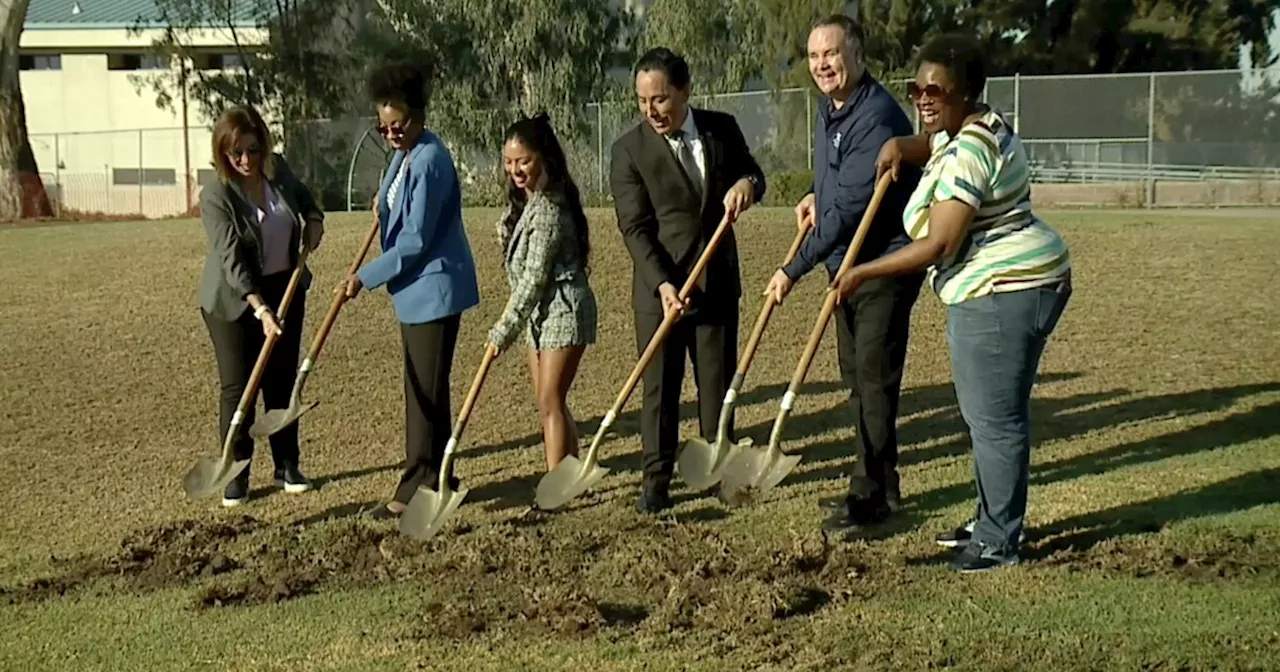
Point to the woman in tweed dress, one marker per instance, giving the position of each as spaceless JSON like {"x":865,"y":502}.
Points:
{"x":544,"y":237}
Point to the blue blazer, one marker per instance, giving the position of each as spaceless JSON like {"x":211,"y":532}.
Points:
{"x":426,"y":260}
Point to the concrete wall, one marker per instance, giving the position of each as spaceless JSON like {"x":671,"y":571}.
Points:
{"x":1208,"y":193}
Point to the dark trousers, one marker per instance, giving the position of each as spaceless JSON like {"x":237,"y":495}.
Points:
{"x":711,"y":341}
{"x":236,"y":346}
{"x":428,"y":360}
{"x":872,"y":327}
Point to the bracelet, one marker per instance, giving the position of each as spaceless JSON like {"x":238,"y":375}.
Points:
{"x":257,"y":314}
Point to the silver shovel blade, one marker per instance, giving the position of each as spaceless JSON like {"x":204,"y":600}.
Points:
{"x":277,"y":419}
{"x":428,"y":511}
{"x":702,"y":464}
{"x":566,"y":481}
{"x":741,"y":476}
{"x":210,"y":477}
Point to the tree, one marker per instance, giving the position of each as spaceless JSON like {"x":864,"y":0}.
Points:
{"x":710,"y":34}
{"x":493,"y":60}
{"x":22,"y":193}
{"x":301,"y":72}
{"x":1097,"y":36}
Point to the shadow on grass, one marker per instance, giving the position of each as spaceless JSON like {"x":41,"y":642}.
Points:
{"x":1087,"y":530}
{"x":1072,"y":417}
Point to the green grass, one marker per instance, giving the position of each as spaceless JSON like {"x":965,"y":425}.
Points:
{"x":1154,"y":513}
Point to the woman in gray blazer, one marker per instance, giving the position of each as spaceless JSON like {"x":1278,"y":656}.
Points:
{"x":546,"y":243}
{"x":251,"y":215}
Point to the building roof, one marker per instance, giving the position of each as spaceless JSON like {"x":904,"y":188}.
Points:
{"x":68,"y":14}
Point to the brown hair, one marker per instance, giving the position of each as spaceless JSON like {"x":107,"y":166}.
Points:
{"x":233,"y":124}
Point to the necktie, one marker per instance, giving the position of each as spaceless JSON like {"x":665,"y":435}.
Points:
{"x":687,"y":161}
{"x":690,"y":166}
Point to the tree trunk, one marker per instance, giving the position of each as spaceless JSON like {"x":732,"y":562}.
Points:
{"x":22,"y":193}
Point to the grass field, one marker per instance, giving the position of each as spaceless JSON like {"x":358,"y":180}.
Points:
{"x":1155,"y":503}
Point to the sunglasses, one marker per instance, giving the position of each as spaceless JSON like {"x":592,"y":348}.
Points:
{"x":933,"y":91}
{"x":393,"y":131}
{"x":250,"y":151}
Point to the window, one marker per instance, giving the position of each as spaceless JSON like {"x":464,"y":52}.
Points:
{"x":231,"y":61}
{"x":136,"y":62}
{"x":40,"y":61}
{"x":146,"y":176}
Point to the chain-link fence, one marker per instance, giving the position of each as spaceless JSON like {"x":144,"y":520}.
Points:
{"x":1146,"y":128}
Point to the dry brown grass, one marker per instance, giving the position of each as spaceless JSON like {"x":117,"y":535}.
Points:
{"x":1156,"y":473}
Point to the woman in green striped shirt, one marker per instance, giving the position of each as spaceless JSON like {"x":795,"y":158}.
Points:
{"x":1004,"y":275}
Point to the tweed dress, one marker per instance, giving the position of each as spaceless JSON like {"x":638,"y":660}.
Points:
{"x":551,"y":300}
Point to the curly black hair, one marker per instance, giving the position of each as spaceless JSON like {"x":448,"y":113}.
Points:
{"x":400,"y":82}
{"x":962,"y":56}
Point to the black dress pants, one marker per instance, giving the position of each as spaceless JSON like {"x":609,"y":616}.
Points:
{"x":872,"y":326}
{"x":710,"y":338}
{"x":236,"y":345}
{"x":428,"y":361}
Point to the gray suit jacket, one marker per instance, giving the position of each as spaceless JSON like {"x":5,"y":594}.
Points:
{"x":233,"y":265}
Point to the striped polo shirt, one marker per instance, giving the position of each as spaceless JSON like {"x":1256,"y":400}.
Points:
{"x":1007,"y":248}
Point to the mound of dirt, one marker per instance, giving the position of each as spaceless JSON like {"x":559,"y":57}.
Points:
{"x":163,"y":557}
{"x":1207,"y":558}
{"x":567,"y":582}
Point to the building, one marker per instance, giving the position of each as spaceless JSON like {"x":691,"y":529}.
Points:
{"x":100,"y":140}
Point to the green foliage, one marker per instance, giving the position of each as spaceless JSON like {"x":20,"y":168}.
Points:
{"x":787,"y":188}
{"x":710,"y":34}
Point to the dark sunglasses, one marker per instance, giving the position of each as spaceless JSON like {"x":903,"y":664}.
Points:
{"x":393,"y":131}
{"x":933,"y":91}
{"x":251,"y":150}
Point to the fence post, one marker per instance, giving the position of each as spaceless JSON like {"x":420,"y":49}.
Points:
{"x":808,"y":127}
{"x":1017,"y":101}
{"x":600,"y":148}
{"x":57,"y":175}
{"x":140,"y":162}
{"x":1151,"y":138}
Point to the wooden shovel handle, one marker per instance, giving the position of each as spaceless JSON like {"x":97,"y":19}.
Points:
{"x":829,"y":304}
{"x":340,"y":298}
{"x":753,"y":341}
{"x":490,"y":353}
{"x":264,"y":355}
{"x":669,"y":321}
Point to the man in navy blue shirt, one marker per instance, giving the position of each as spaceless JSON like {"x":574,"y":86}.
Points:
{"x":856,"y":116}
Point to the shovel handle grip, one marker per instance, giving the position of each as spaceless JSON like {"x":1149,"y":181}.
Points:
{"x":340,"y":298}
{"x":464,"y":414}
{"x":829,"y":303}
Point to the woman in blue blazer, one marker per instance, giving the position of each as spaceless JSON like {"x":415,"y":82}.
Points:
{"x":426,"y":266}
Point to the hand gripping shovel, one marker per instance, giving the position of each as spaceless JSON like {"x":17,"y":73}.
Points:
{"x":209,"y":477}
{"x":428,"y":510}
{"x":756,"y":471}
{"x":573,"y":476}
{"x":277,"y":419}
{"x":702,"y":464}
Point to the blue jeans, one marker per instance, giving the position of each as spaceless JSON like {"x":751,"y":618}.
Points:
{"x":996,"y":342}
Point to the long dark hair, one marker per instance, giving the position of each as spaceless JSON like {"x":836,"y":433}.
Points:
{"x":536,"y":134}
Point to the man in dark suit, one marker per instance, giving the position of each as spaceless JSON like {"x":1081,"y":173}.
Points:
{"x":856,"y":117}
{"x":674,"y":176}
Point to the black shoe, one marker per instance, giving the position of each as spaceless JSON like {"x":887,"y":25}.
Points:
{"x":978,"y":557}
{"x":959,"y":537}
{"x":434,"y":483}
{"x":837,"y":502}
{"x":857,"y":513}
{"x":237,"y":491}
{"x":291,"y":479}
{"x":654,"y":499}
